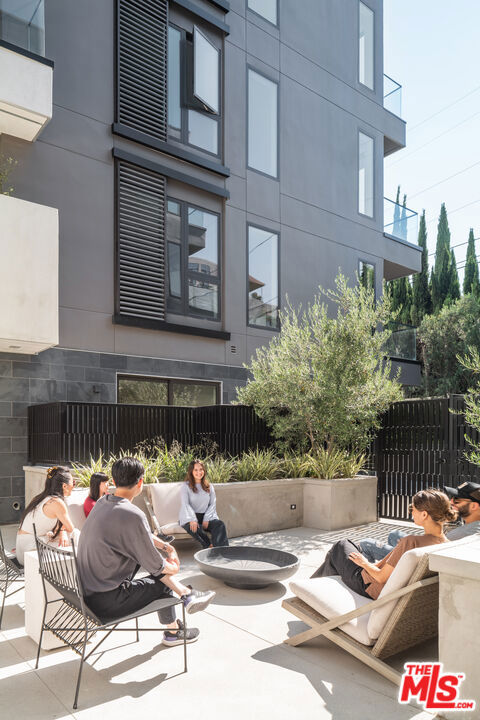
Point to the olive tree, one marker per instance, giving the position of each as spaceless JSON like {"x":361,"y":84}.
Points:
{"x":324,"y":381}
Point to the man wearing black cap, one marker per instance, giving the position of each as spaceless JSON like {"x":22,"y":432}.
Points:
{"x":466,"y":499}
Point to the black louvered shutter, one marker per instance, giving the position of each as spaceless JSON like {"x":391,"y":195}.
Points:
{"x":142,"y":66}
{"x":141,"y":198}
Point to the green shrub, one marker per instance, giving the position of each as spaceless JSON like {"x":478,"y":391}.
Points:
{"x":257,"y":465}
{"x":295,"y":466}
{"x":220,"y":469}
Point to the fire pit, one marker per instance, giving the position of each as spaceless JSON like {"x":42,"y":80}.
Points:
{"x":247,"y":567}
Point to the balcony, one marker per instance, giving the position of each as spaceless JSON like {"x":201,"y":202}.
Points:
{"x":26,"y":76}
{"x":392,"y":96}
{"x":400,"y":222}
{"x":28,"y":276}
{"x":394,"y":132}
{"x":402,"y":343}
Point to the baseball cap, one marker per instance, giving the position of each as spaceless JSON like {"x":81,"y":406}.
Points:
{"x":466,"y":491}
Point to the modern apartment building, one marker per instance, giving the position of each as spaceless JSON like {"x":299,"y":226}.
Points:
{"x":182,"y":167}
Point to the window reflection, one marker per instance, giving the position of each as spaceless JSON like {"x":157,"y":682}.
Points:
{"x":366,"y":275}
{"x":366,"y":45}
{"x":365,"y":174}
{"x":206,"y":71}
{"x":263,"y":305}
{"x":266,"y":8}
{"x":203,"y":131}
{"x":173,"y":62}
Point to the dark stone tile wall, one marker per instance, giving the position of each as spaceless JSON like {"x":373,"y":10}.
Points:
{"x":57,"y":375}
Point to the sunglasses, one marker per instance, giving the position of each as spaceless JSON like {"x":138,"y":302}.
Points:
{"x":457,"y":500}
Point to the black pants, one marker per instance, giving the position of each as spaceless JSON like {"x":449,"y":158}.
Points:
{"x":338,"y":563}
{"x":216,"y":528}
{"x":130,"y":596}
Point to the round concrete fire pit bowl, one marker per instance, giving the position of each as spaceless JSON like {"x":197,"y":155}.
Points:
{"x":247,"y":567}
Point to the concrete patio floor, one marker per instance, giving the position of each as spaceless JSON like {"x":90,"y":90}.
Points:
{"x":239,"y":668}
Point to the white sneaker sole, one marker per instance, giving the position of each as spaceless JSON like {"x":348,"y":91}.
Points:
{"x":200,"y":604}
{"x":173,"y":643}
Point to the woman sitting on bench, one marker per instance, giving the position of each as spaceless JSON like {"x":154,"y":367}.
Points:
{"x":430,"y":509}
{"x":198,"y":513}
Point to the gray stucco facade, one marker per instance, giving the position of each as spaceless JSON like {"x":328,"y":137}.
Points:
{"x":312,"y":205}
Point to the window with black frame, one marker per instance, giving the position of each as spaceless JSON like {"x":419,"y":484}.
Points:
{"x":192,"y":260}
{"x":263,"y":294}
{"x":143,"y":390}
{"x":193,"y":83}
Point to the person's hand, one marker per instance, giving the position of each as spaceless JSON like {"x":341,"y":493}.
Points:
{"x":358,"y":559}
{"x":63,"y":540}
{"x":205,"y":524}
{"x":172,"y":554}
{"x":193,"y":526}
{"x":170,"y":568}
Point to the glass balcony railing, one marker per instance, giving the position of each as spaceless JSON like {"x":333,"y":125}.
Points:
{"x":392,"y":96}
{"x":22,"y":23}
{"x":402,"y":343}
{"x":400,"y":222}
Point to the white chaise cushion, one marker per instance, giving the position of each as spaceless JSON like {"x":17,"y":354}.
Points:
{"x":166,"y":506}
{"x":330,"y":597}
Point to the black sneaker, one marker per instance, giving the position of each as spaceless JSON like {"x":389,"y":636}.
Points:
{"x":197,"y":600}
{"x":175,"y":637}
{"x":165,"y":538}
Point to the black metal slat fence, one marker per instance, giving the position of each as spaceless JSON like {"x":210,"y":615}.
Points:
{"x":73,"y":432}
{"x":421,"y":444}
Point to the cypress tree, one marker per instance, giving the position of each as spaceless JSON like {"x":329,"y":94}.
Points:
{"x":402,"y":299}
{"x":403,"y":219}
{"x":471,"y":283}
{"x":442,"y":271}
{"x":397,"y":228}
{"x":454,"y":287}
{"x":421,"y":297}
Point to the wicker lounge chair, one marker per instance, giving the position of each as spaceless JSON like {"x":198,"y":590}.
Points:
{"x":413,"y":620}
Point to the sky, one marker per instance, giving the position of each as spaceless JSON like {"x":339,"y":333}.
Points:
{"x":431,"y":48}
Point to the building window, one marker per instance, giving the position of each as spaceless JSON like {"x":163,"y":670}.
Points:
{"x":263,"y":294}
{"x":136,"y":390}
{"x":193,"y":260}
{"x":366,"y":45}
{"x":266,"y":8}
{"x":262,"y":123}
{"x":365,"y":174}
{"x":366,"y":275}
{"x":193,"y":98}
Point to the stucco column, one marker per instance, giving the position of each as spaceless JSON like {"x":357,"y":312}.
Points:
{"x":459,"y":618}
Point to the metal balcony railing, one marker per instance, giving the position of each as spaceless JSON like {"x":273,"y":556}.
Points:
{"x":23,"y":24}
{"x":400,"y":222}
{"x":392,"y":95}
{"x":402,"y":343}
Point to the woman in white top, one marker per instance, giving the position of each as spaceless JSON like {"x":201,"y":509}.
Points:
{"x":198,"y":512}
{"x":48,"y":512}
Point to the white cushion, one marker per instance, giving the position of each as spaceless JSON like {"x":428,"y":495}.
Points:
{"x":330,"y":597}
{"x":75,"y":506}
{"x":166,"y":506}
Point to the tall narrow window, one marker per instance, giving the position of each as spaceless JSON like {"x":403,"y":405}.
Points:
{"x":266,"y":8}
{"x":365,"y":174}
{"x":366,"y":45}
{"x":262,"y":123}
{"x":263,"y":300}
{"x":193,"y":267}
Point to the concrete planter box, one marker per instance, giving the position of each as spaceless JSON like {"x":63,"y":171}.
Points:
{"x":267,"y":505}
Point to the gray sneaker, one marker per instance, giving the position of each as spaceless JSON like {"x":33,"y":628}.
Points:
{"x":197,"y":600}
{"x":176,"y":637}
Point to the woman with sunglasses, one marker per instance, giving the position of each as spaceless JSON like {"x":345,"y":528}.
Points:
{"x":430,"y":509}
{"x":48,"y":512}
